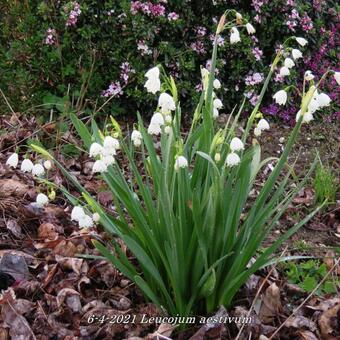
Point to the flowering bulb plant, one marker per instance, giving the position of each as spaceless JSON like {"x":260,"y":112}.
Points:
{"x":184,"y":214}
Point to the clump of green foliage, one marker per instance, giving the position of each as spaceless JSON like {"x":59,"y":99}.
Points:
{"x":307,"y":275}
{"x":325,"y":185}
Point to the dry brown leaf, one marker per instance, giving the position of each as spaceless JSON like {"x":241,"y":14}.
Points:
{"x":307,"y":335}
{"x":4,"y":334}
{"x":65,"y":248}
{"x":79,"y":266}
{"x":19,"y":328}
{"x":329,"y":323}
{"x":271,"y":303}
{"x":12,"y":187}
{"x":300,"y":321}
{"x":71,"y":297}
{"x":14,"y":227}
{"x":47,"y":231}
{"x":14,"y":265}
{"x":164,"y":330}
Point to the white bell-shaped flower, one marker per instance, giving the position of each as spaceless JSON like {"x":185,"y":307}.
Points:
{"x":86,"y":222}
{"x":234,"y":35}
{"x":13,"y":160}
{"x":41,"y":200}
{"x":217,"y":103}
{"x":157,"y":119}
{"x":236,"y":144}
{"x":296,"y":54}
{"x":154,"y":129}
{"x":313,"y":105}
{"x":257,"y":132}
{"x":96,"y":217}
{"x":323,"y":99}
{"x":289,"y":63}
{"x":217,"y":84}
{"x":153,"y":85}
{"x":301,"y":41}
{"x":180,"y":163}
{"x":337,"y":77}
{"x":152,"y":73}
{"x":136,"y":138}
{"x":309,"y":75}
{"x":280,"y":97}
{"x":108,"y":160}
{"x":95,"y":150}
{"x":263,"y":124}
{"x":284,"y":71}
{"x":233,"y":159}
{"x":38,"y":170}
{"x":26,"y":165}
{"x":48,"y":165}
{"x":250,"y":28}
{"x":166,"y":103}
{"x":215,"y":113}
{"x":77,"y":213}
{"x":111,"y":143}
{"x":307,"y":117}
{"x":99,"y":166}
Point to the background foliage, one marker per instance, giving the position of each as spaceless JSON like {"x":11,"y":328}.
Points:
{"x":44,"y":52}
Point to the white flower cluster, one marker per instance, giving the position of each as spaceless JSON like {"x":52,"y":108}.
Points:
{"x":261,"y":126}
{"x":105,"y":152}
{"x":235,"y":34}
{"x":28,"y":166}
{"x":233,"y":158}
{"x":318,"y":101}
{"x":85,"y":221}
{"x":296,"y":54}
{"x":166,"y":105}
{"x":217,"y":103}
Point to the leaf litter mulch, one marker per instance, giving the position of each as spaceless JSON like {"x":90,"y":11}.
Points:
{"x":48,"y":292}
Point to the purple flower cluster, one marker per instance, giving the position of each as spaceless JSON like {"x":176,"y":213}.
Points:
{"x":258,"y":53}
{"x":115,"y":89}
{"x":254,"y":79}
{"x":294,"y":20}
{"x":147,"y":8}
{"x":198,"y":47}
{"x":125,"y":71}
{"x":172,"y":16}
{"x":143,"y":48}
{"x":50,"y":36}
{"x":72,"y":10}
{"x":306,"y":23}
{"x":257,"y":4}
{"x":200,"y":31}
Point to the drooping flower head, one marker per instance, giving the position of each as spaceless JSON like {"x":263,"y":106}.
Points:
{"x":236,"y":144}
{"x":180,"y":163}
{"x":166,"y":103}
{"x":233,"y":159}
{"x":234,"y":35}
{"x":280,"y":97}
{"x":13,"y":160}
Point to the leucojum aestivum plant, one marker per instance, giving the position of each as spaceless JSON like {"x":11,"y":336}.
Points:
{"x":184,"y":214}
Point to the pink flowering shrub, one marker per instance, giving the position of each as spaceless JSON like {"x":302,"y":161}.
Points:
{"x":62,"y":41}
